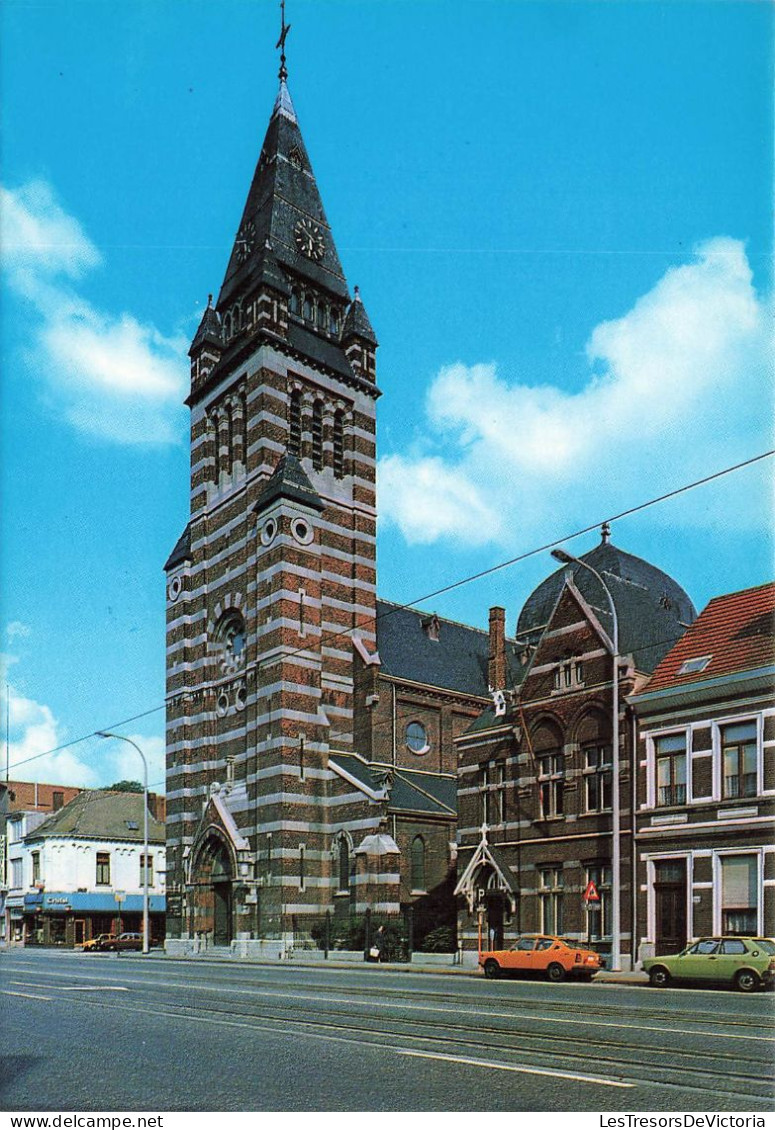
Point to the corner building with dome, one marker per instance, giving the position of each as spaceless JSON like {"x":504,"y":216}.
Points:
{"x":330,"y":756}
{"x":535,"y":771}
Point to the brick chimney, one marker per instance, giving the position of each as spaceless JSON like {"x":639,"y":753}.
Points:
{"x":496,"y":664}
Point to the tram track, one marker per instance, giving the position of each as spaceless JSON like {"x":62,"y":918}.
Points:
{"x":709,"y":1072}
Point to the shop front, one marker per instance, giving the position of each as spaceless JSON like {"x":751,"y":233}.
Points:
{"x":68,"y":919}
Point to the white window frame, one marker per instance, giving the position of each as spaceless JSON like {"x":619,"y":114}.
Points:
{"x":718,"y":766}
{"x":718,"y":855}
{"x":651,"y":761}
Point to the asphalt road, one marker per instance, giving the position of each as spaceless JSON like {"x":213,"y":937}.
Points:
{"x":125,"y":1033}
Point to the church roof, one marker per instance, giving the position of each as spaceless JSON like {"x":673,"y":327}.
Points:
{"x":289,"y":480}
{"x":652,"y":609}
{"x":456,"y":660}
{"x":283,"y":194}
{"x":408,"y":790}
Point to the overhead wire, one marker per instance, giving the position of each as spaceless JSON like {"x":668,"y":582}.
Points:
{"x":468,"y":579}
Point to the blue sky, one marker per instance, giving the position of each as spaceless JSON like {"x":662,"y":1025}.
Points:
{"x":558,"y":216}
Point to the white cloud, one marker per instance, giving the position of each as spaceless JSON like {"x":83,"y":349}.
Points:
{"x":40,"y":238}
{"x":674,"y":390}
{"x":33,"y":732}
{"x":118,"y":761}
{"x":111,"y":375}
{"x":17,"y":630}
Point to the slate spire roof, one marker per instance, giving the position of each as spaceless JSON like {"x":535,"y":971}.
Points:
{"x":356,"y":322}
{"x":283,"y":195}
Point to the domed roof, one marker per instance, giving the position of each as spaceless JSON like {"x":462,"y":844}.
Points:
{"x":652,"y":609}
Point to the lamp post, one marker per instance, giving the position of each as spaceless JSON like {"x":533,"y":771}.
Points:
{"x":616,"y":957}
{"x":122,"y":738}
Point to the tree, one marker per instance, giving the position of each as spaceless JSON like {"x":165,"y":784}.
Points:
{"x":126,"y":787}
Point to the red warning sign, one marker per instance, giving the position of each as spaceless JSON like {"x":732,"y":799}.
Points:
{"x":590,"y":894}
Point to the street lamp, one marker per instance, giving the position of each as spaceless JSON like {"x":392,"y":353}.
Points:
{"x":122,"y":738}
{"x":616,"y":958}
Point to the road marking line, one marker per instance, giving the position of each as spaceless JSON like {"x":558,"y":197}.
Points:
{"x":30,"y":996}
{"x":93,"y":989}
{"x":520,"y":1070}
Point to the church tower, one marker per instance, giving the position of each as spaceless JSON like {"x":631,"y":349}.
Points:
{"x":275,"y":574}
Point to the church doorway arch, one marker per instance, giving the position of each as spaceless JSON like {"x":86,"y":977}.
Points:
{"x":213,"y":881}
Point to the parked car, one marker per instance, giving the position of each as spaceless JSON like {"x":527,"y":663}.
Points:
{"x":746,"y":963}
{"x":555,"y":958}
{"x":127,"y":942}
{"x":99,"y":942}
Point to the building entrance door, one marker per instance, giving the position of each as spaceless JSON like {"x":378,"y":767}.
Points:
{"x":80,"y":931}
{"x":670,"y":905}
{"x":222,"y":914}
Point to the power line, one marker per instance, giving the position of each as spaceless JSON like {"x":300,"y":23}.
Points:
{"x":453,"y":585}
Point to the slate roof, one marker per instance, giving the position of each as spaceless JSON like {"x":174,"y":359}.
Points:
{"x":456,"y":661}
{"x":282,"y":192}
{"x":412,"y":790}
{"x":356,"y":321}
{"x":181,"y":552}
{"x":652,"y":609}
{"x":209,"y":330}
{"x":289,"y":480}
{"x":736,"y":631}
{"x":99,"y":814}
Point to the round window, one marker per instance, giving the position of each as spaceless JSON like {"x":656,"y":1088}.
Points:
{"x":174,"y":588}
{"x":301,"y":530}
{"x":241,"y":698}
{"x":417,"y":737}
{"x":222,"y":705}
{"x":269,"y":531}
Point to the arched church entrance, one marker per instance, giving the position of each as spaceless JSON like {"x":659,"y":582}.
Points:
{"x":213,"y":900}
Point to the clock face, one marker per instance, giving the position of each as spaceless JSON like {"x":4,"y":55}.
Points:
{"x":309,"y":239}
{"x":246,"y":238}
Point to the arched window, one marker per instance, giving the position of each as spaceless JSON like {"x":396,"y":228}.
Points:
{"x":339,"y":444}
{"x":295,"y":302}
{"x":344,"y":864}
{"x":317,"y":435}
{"x":418,"y":864}
{"x":308,"y":308}
{"x":230,"y":434}
{"x":229,"y":641}
{"x":333,"y":321}
{"x":294,"y":421}
{"x":322,"y":315}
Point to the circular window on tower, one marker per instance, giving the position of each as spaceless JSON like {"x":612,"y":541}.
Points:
{"x":222,"y":704}
{"x":417,"y":738}
{"x":269,"y":531}
{"x":302,"y":531}
{"x":174,"y":588}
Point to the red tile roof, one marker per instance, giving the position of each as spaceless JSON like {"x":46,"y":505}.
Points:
{"x":736,"y":631}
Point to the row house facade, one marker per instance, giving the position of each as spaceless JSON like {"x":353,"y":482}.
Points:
{"x":80,"y":871}
{"x":535,"y":771}
{"x":705,"y":842}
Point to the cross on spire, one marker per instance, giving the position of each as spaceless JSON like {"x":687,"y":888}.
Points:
{"x":284,"y":29}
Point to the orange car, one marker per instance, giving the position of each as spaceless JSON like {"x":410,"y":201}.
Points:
{"x":555,"y":958}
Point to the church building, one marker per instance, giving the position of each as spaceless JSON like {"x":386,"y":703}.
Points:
{"x":310,"y":728}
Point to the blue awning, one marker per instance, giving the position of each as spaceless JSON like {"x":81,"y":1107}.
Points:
{"x":96,"y":902}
